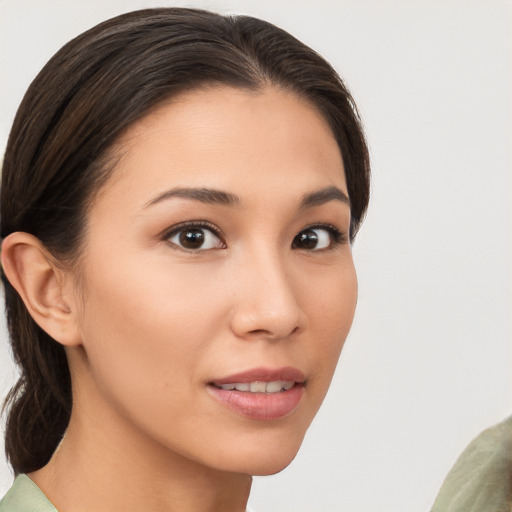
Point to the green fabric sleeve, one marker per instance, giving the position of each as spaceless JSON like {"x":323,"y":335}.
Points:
{"x":481,"y":479}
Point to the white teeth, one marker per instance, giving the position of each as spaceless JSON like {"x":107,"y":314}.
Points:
{"x":273,"y":387}
{"x":288,"y":385}
{"x":259,"y":386}
{"x":227,"y":387}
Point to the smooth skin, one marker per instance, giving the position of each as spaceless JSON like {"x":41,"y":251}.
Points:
{"x":261,"y":275}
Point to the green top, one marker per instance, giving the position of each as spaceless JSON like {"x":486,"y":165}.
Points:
{"x":25,"y":496}
{"x":481,"y":479}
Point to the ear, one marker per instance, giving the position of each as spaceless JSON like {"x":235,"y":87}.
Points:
{"x":45,"y":288}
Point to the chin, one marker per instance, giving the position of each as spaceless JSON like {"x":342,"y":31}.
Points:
{"x":264,"y":466}
{"x":263,"y":458}
{"x":268,"y":468}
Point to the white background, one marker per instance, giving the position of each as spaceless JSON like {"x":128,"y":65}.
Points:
{"x":427,"y":365}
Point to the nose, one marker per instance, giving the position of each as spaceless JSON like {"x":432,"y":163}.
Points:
{"x":266,"y":303}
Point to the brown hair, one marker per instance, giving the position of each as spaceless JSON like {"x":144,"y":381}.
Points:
{"x":74,"y":111}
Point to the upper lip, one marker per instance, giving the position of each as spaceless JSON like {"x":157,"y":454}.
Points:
{"x":263,"y":375}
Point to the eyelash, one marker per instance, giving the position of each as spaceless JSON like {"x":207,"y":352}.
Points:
{"x":196,"y":224}
{"x":337,"y":237}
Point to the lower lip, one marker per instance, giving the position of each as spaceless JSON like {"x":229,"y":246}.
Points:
{"x":260,"y":406}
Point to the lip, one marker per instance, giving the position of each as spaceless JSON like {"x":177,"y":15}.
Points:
{"x":263,"y":375}
{"x":261,"y":406}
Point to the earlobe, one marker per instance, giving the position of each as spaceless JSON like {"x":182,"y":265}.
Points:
{"x":44,"y":288}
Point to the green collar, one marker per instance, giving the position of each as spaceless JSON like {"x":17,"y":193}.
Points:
{"x":25,"y":496}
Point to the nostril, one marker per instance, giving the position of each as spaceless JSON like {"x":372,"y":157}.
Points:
{"x":260,"y":332}
{"x":271,"y":334}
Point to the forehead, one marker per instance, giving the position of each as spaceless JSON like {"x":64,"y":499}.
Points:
{"x":233,"y":139}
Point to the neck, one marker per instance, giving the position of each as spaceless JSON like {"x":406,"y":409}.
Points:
{"x":105,"y":465}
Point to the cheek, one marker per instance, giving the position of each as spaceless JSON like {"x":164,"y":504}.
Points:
{"x":143,"y":332}
{"x":332,"y":307}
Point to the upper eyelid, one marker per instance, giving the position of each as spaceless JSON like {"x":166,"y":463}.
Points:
{"x":327,"y":226}
{"x":201,"y":224}
{"x":324,"y":225}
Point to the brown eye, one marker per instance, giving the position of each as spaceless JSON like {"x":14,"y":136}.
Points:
{"x":306,"y":239}
{"x":317,"y":238}
{"x":196,"y":239}
{"x":192,"y":238}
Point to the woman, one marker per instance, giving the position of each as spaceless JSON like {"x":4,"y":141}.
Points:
{"x":179,"y":194}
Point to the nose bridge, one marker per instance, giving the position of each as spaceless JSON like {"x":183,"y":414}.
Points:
{"x":267,"y":302}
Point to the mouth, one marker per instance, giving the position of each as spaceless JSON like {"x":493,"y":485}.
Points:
{"x":261,"y":394}
{"x":277,"y":386}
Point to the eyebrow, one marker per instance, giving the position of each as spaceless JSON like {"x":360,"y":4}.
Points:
{"x":323,"y":196}
{"x":219,"y":197}
{"x":203,"y":195}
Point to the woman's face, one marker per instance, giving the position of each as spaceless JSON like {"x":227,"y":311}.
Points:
{"x":217,"y":283}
